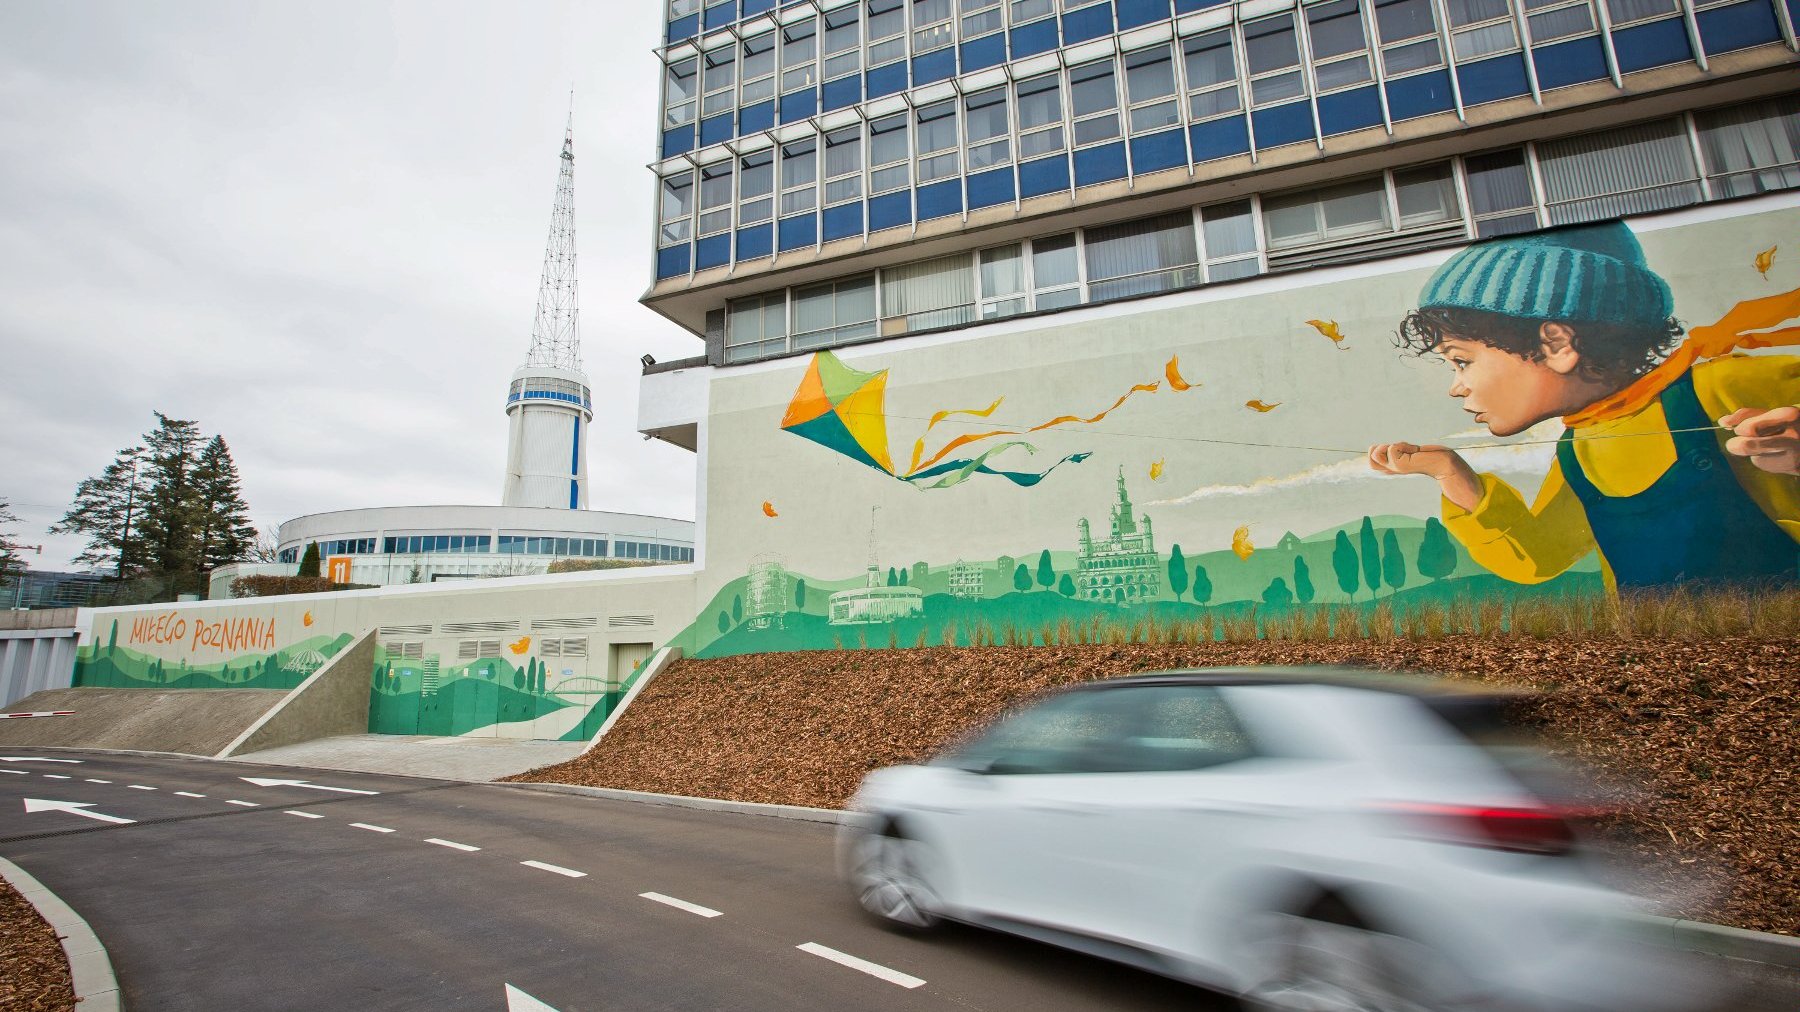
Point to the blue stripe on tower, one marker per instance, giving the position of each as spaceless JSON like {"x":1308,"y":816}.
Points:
{"x":575,"y":466}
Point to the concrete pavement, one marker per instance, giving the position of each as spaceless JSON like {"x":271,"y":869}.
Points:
{"x":475,"y":760}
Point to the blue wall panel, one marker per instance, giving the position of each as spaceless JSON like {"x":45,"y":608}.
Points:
{"x":843,"y":220}
{"x":1283,"y":124}
{"x":686,"y":28}
{"x":1740,"y":26}
{"x":1100,"y":165}
{"x":1493,"y":80}
{"x":1163,"y":150}
{"x":1133,"y":13}
{"x":889,"y":210}
{"x":845,"y":91}
{"x":987,"y":51}
{"x":1219,"y":138}
{"x":799,"y":231}
{"x":1087,"y":23}
{"x":715,"y":129}
{"x":1656,"y":44}
{"x":755,"y":241}
{"x":1576,"y":61}
{"x":1344,"y":111}
{"x":1044,"y":175}
{"x":720,"y":15}
{"x":672,"y":261}
{"x":756,"y":6}
{"x":678,"y":140}
{"x":752,"y":118}
{"x":798,"y":105}
{"x":1032,"y":39}
{"x":1190,"y":6}
{"x":1420,"y":95}
{"x":989,"y":188}
{"x":712,"y":251}
{"x":934,"y":66}
{"x":939,"y":199}
{"x":885,"y":80}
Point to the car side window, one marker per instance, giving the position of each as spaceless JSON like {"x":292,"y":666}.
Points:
{"x":1180,"y":727}
{"x":1059,"y":735}
{"x":1140,"y":729}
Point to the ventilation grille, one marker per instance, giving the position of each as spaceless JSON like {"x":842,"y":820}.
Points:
{"x":569,"y":646}
{"x":564,"y":623}
{"x":499,"y":626}
{"x":422,"y":629}
{"x":469,"y":650}
{"x":630,"y":621}
{"x":411,"y":651}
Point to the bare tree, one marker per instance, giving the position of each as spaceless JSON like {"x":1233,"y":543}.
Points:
{"x":267,"y":546}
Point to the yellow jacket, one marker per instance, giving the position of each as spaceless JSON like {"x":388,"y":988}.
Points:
{"x":1531,"y":544}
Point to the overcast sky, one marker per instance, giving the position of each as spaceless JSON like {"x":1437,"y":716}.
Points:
{"x":317,"y":229}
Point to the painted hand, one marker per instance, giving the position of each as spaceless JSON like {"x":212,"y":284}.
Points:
{"x":1769,"y":437}
{"x":1454,"y":476}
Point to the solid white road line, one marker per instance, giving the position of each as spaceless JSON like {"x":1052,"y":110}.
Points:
{"x":692,"y":908}
{"x":872,"y":969}
{"x":452,"y":844}
{"x":189,"y":794}
{"x":541,"y":866}
{"x":372,"y":829}
{"x":244,"y":804}
{"x":59,"y":776}
{"x":91,"y":780}
{"x":135,"y":787}
{"x":307,"y":815}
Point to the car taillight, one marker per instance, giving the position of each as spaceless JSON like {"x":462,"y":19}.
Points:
{"x":1524,"y":830}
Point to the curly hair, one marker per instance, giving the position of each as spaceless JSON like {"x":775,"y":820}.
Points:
{"x":1609,"y":352}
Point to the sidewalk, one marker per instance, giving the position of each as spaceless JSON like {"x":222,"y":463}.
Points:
{"x":475,"y":760}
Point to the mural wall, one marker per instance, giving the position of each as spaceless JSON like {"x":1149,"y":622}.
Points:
{"x":1485,"y":425}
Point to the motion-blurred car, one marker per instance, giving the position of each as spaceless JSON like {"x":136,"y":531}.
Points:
{"x":1303,"y":838}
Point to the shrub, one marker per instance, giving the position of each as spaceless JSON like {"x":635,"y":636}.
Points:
{"x":276,"y":586}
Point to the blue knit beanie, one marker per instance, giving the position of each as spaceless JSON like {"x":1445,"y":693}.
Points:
{"x":1587,"y":273}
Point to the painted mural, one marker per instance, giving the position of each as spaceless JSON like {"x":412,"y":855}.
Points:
{"x":1582,"y":411}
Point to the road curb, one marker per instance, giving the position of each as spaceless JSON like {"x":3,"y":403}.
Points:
{"x":795,"y":813}
{"x":1720,"y":940}
{"x":96,"y":988}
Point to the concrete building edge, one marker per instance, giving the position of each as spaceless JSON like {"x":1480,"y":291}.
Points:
{"x":653,"y":667}
{"x":90,"y":968}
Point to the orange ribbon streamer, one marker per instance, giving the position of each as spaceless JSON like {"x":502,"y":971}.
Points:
{"x":1744,"y":326}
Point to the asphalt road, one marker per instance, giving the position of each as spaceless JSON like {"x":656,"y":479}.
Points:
{"x":223,"y":894}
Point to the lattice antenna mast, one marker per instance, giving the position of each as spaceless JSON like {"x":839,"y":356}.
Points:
{"x":555,"y":335}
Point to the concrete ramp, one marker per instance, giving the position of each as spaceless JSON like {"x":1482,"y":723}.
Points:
{"x":192,"y":721}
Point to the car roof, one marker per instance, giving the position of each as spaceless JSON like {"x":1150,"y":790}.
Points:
{"x":1421,"y":685}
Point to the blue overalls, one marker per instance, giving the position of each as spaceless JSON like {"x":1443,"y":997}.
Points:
{"x":1694,"y":524}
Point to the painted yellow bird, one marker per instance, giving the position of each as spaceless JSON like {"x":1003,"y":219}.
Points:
{"x":1262,"y":407}
{"x":1329,"y":328}
{"x":1156,"y":470}
{"x":1766,"y":260}
{"x":769,"y":509}
{"x":521,"y":645}
{"x":306,"y":619}
{"x":1240,"y":542}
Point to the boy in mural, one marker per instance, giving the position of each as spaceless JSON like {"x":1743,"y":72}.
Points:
{"x":1685,"y":468}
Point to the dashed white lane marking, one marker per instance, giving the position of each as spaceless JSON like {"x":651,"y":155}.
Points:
{"x":189,"y":794}
{"x":22,"y":773}
{"x":55,"y":776}
{"x":692,"y":908}
{"x":244,"y":804}
{"x":541,"y":866}
{"x":306,"y":815}
{"x":372,"y":829}
{"x":90,"y":780}
{"x":872,"y":969}
{"x":135,"y":787}
{"x":452,"y":844}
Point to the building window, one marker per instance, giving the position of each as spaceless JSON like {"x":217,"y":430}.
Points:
{"x":843,"y":166}
{"x":1273,"y":58}
{"x":1229,"y":233}
{"x":679,"y":9}
{"x":1336,"y":212}
{"x":990,"y":135}
{"x":1094,"y":97}
{"x":1752,"y":148}
{"x":1212,"y":77}
{"x":756,"y":181}
{"x":681,"y":89}
{"x":931,"y":293}
{"x":1500,"y":195}
{"x":888,"y":154}
{"x":1480,"y":28}
{"x":843,"y":43}
{"x":758,"y":68}
{"x":1340,"y":49}
{"x":834,"y":312}
{"x":981,"y":17}
{"x":715,"y":198}
{"x":1409,"y":36}
{"x":937,"y":141}
{"x":1040,"y":116}
{"x":1557,"y":19}
{"x":799,"y":176}
{"x":1425,"y":196}
{"x":1026,"y":11}
{"x":933,"y":27}
{"x":718,"y":78}
{"x":1139,"y":257}
{"x":1150,"y":89}
{"x":677,"y":208}
{"x":1002,"y":277}
{"x":799,"y":51}
{"x":887,"y":31}
{"x":1055,"y":272}
{"x":756,"y":327}
{"x":1610,"y":174}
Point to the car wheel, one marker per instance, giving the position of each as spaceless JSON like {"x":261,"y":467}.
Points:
{"x":885,"y":876}
{"x":1330,"y":961}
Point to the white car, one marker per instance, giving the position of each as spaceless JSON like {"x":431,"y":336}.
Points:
{"x":1303,"y":838}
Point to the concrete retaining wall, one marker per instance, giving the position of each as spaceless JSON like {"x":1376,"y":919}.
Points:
{"x":190,"y":721}
{"x":333,"y":701}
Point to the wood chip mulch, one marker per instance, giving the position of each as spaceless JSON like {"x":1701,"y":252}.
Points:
{"x":1705,"y":732}
{"x":34,"y":972}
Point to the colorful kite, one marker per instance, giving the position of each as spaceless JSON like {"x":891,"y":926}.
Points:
{"x":844,"y":410}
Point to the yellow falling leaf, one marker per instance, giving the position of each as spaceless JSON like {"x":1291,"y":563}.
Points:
{"x":1156,"y":469}
{"x":306,"y":619}
{"x":1240,"y":542}
{"x":1261,"y":406}
{"x":769,"y":509}
{"x":521,"y":645}
{"x":1172,"y":373}
{"x":1329,"y":328}
{"x":1766,"y":260}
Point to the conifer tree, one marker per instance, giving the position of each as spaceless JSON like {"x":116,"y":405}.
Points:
{"x":1046,"y":573}
{"x":108,"y":511}
{"x":1344,"y":563}
{"x":1303,"y":585}
{"x":1178,"y":574}
{"x":1203,"y":588}
{"x":171,"y":512}
{"x":309,"y":560}
{"x":226,"y":534}
{"x":10,"y":561}
{"x":1393,"y":562}
{"x":1371,"y":556}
